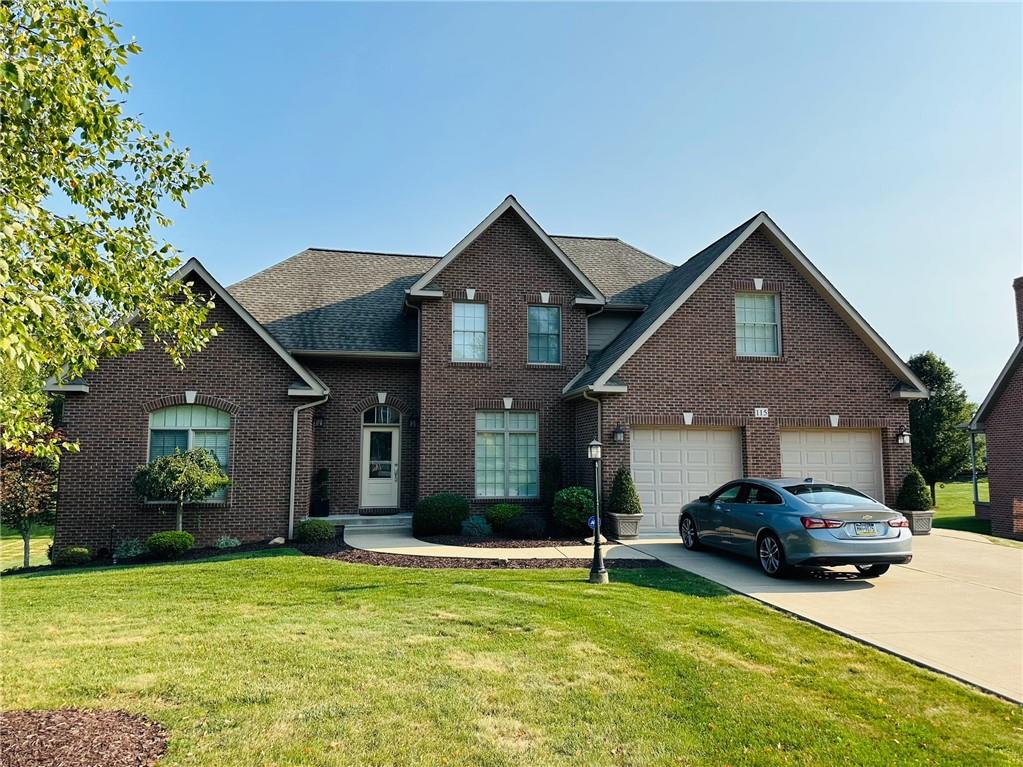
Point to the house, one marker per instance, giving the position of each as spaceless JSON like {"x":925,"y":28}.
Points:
{"x":1000,"y":418}
{"x":392,"y":377}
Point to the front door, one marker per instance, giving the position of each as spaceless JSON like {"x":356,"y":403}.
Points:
{"x":380,"y":467}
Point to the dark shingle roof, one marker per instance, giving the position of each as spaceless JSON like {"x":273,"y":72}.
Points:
{"x":673,"y":286}
{"x":336,"y":300}
{"x":624,"y":274}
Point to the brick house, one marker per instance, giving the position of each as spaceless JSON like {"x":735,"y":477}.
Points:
{"x":1000,"y":418}
{"x":390,"y":377}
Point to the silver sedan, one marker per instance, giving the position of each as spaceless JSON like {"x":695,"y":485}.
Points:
{"x":786,"y":523}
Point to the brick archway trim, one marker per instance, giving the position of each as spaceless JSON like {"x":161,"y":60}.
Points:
{"x":366,"y":403}
{"x":201,"y":399}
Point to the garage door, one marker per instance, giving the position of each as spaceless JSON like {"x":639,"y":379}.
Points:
{"x":672,"y":467}
{"x":846,"y":456}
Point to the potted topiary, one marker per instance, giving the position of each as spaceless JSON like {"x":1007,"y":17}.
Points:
{"x":914,"y":500}
{"x":623,"y":506}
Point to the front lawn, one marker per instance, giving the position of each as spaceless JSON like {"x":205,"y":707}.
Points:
{"x":12,"y":548}
{"x":955,"y":507}
{"x":282,"y":659}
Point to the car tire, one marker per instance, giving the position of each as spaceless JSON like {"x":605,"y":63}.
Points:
{"x":872,"y":571}
{"x":771,"y":556}
{"x":687,"y":529}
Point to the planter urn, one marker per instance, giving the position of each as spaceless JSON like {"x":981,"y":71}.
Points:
{"x":625,"y":526}
{"x":919,"y":521}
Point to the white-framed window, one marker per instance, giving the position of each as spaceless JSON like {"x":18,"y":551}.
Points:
{"x":468,"y":332}
{"x":381,"y":414}
{"x":757,"y":330}
{"x":183,"y":427}
{"x":507,"y":454}
{"x":544,"y":327}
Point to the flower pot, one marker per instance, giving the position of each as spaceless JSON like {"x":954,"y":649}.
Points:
{"x":625,"y":525}
{"x":919,"y":521}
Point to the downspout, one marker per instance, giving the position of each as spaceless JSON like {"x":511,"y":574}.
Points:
{"x":600,"y":430}
{"x":973,"y":466}
{"x":294,"y":460}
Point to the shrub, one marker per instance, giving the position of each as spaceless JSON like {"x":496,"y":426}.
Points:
{"x":914,"y":495}
{"x":440,"y":514}
{"x":180,"y":478}
{"x":170,"y":544}
{"x":526,"y":527}
{"x":227,"y":542}
{"x":72,"y":556}
{"x":573,"y":507}
{"x":128,"y":549}
{"x":315,"y":531}
{"x":550,"y":478}
{"x":477,"y":527}
{"x":501,"y":514}
{"x":624,"y":498}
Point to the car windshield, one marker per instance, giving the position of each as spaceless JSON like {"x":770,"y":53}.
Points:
{"x":822,"y":494}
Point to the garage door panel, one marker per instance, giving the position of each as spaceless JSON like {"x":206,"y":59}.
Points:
{"x":844,"y":456}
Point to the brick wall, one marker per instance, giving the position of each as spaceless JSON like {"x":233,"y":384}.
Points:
{"x":690,"y":365}
{"x":1004,"y":427}
{"x":508,"y":267}
{"x":237,"y":372}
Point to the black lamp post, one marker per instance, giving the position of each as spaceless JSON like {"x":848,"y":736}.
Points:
{"x":598,"y":573}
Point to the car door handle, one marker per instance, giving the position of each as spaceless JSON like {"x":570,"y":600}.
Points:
{"x":760,"y":513}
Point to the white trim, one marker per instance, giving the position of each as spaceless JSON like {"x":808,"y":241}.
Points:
{"x":561,"y":333}
{"x":510,"y":203}
{"x":687,"y":418}
{"x":190,"y":395}
{"x":568,"y":387}
{"x":57,"y":388}
{"x":825,"y":288}
{"x":545,"y":297}
{"x":903,"y":394}
{"x":777,"y":325}
{"x":395,"y":431}
{"x":486,"y":331}
{"x":1017,"y":355}
{"x":584,"y":301}
{"x":382,"y":397}
{"x":609,"y":388}
{"x":507,"y":401}
{"x":193,"y":265}
{"x":834,"y":419}
{"x":354,"y":354}
{"x":758,"y":283}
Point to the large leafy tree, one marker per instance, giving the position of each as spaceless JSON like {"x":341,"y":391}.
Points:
{"x":940,"y":448}
{"x":28,"y":485}
{"x":84,"y":188}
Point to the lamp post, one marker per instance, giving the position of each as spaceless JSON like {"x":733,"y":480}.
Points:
{"x":598,"y":573}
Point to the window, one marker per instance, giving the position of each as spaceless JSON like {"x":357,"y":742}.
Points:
{"x":185,"y":427}
{"x":381,"y":414}
{"x":729,"y":495}
{"x":756,"y":325}
{"x":824,"y":494}
{"x":762,"y":495}
{"x":545,"y":334}
{"x":507,"y":455}
{"x":469,"y":332}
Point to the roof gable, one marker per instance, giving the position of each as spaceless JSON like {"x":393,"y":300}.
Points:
{"x":422,"y":286}
{"x":1015,"y":359}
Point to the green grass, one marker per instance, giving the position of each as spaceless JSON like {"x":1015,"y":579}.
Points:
{"x":955,"y":507}
{"x":280,"y":659}
{"x":12,"y":549}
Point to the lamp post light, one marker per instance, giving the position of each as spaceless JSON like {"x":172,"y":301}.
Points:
{"x":598,"y":573}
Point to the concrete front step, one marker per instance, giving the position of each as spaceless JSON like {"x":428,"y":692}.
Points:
{"x":360,"y":522}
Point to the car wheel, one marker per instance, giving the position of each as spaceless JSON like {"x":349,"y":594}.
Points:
{"x":687,"y":529}
{"x":872,"y":571}
{"x":771,"y":556}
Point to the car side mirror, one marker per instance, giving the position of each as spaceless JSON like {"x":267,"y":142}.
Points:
{"x":704,"y":499}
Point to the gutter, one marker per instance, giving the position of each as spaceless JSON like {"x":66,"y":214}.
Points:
{"x":294,"y":459}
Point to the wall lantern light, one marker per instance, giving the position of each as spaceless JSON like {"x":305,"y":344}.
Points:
{"x":318,"y":421}
{"x":903,"y":437}
{"x":619,"y":433}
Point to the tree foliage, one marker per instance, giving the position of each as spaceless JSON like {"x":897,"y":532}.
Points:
{"x":941,"y":450}
{"x":180,"y":478}
{"x":624,"y":498}
{"x":28,"y":485}
{"x":83,"y":192}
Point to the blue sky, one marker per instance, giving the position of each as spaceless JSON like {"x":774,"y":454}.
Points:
{"x":884,"y":139}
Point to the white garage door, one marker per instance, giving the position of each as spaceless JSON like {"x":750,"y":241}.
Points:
{"x":672,"y":467}
{"x":846,"y":456}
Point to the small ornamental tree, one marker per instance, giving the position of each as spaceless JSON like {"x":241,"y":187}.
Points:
{"x":28,"y":483}
{"x":624,"y":498}
{"x":914,"y":495}
{"x":180,"y":478}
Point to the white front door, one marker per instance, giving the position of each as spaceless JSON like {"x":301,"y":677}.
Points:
{"x":380,"y":448}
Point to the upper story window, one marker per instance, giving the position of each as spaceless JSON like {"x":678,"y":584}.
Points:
{"x":381,"y":414}
{"x":507,"y":454}
{"x":469,"y":332}
{"x":756,"y":325}
{"x":544,"y":334}
{"x":185,"y":427}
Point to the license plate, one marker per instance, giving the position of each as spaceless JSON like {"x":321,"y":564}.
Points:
{"x":864,"y":528}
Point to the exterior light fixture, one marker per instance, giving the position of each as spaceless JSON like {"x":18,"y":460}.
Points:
{"x":318,"y":421}
{"x":903,"y":437}
{"x":593,"y":450}
{"x":598,"y":573}
{"x":618,"y":434}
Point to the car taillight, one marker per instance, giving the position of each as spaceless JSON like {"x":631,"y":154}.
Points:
{"x":898,"y":522}
{"x":816,"y":523}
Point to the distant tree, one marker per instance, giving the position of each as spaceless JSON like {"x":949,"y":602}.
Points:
{"x":179,"y":479}
{"x":941,"y":450}
{"x":28,"y":484}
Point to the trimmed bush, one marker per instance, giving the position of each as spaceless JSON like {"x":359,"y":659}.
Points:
{"x":624,"y":498}
{"x":440,"y":514}
{"x":128,"y":549}
{"x":527,"y":527}
{"x":914,"y":494}
{"x":573,"y":507}
{"x":227,"y":542}
{"x":501,"y":514}
{"x":477,"y":527}
{"x":170,"y":544}
{"x":315,"y":531}
{"x":72,"y":556}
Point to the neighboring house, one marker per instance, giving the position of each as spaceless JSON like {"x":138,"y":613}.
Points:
{"x":1000,"y":418}
{"x":404,"y":376}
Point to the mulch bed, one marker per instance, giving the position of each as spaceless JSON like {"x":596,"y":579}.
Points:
{"x":500,"y":543}
{"x":77,"y":738}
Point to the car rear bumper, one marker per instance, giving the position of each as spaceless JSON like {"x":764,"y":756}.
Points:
{"x":863,"y":559}
{"x":820,"y":548}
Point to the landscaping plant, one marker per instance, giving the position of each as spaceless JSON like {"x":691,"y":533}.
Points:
{"x":72,"y":556}
{"x":624,"y":498}
{"x":28,"y":484}
{"x":501,"y":514}
{"x":913,"y":495}
{"x":180,"y":478}
{"x":440,"y":514}
{"x":573,"y":507}
{"x":315,"y":531}
{"x":169,"y":544}
{"x":477,"y":527}
{"x":128,"y":549}
{"x":526,"y":527}
{"x":227,"y":542}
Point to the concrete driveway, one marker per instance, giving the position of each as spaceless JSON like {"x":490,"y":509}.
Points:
{"x":957,"y":608}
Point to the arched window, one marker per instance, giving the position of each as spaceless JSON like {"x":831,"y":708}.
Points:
{"x":184,"y":427}
{"x":381,"y":415}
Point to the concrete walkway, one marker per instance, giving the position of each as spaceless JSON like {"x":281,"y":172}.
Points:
{"x":957,"y":608}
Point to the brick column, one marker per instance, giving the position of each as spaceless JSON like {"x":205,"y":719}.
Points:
{"x":761,"y":448}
